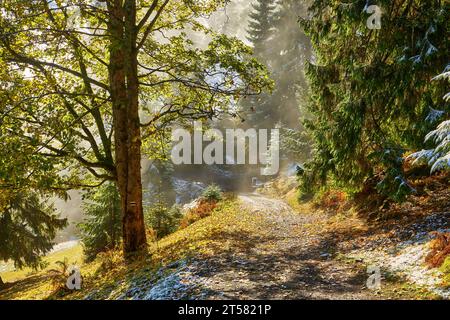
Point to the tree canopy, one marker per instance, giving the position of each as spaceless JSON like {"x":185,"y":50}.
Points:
{"x":56,"y":88}
{"x":371,"y":91}
{"x":85,"y":83}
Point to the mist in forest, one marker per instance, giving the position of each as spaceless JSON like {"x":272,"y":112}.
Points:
{"x":267,"y":111}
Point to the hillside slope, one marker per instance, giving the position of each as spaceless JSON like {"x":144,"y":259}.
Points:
{"x":251,"y":247}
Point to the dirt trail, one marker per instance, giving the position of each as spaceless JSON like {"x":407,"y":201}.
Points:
{"x":286,"y":255}
{"x":291,"y":263}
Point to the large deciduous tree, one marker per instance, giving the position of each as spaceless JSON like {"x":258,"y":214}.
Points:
{"x":85,"y":82}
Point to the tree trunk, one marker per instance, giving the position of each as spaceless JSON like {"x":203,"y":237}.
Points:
{"x":127,"y":136}
{"x":2,"y":284}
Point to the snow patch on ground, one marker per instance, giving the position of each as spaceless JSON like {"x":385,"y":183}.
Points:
{"x":178,"y":285}
{"x":182,"y":284}
{"x":187,"y":190}
{"x":190,"y":206}
{"x":406,"y":259}
{"x":177,"y":281}
{"x":64,"y":246}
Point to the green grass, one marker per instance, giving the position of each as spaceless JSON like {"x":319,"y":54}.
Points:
{"x":220,"y":232}
{"x":445,"y":269}
{"x":74,"y":256}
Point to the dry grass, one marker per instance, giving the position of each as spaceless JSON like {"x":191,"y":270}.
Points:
{"x":212,"y":235}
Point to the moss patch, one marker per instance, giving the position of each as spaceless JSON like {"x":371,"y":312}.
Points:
{"x":445,"y":269}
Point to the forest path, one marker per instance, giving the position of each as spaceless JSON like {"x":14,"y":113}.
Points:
{"x":290,"y":260}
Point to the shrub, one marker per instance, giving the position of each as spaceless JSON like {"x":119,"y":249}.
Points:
{"x":163,"y":221}
{"x":212,"y":193}
{"x":108,"y":260}
{"x":207,"y":203}
{"x":151,"y":234}
{"x":202,"y":210}
{"x":59,"y":276}
{"x":333,"y":199}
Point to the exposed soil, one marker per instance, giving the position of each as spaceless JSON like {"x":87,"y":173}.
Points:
{"x":290,"y":261}
{"x":290,"y":254}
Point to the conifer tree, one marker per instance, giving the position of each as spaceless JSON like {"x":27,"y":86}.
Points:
{"x":438,"y":157}
{"x":28,"y":226}
{"x":101,"y":229}
{"x":371,"y":90}
{"x":291,"y":51}
{"x":258,"y":110}
{"x":261,"y":26}
{"x":284,"y":48}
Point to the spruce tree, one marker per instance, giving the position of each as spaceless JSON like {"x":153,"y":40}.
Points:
{"x":284,"y":47}
{"x":260,"y":28}
{"x":28,"y":226}
{"x":101,"y":229}
{"x":438,"y":157}
{"x":371,"y":90}
{"x":259,"y":110}
{"x":291,"y":51}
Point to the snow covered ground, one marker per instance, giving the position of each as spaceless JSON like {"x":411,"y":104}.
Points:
{"x":406,"y":259}
{"x":64,"y":246}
